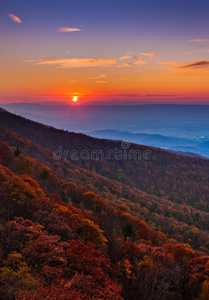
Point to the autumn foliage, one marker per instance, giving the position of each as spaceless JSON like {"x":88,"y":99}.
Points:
{"x":94,"y":230}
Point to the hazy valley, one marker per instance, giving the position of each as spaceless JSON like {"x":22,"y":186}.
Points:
{"x":173,"y":127}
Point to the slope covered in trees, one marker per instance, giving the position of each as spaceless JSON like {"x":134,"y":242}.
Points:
{"x":180,"y":222}
{"x":68,"y":232}
{"x":180,"y":179}
{"x":49,"y":250}
{"x":178,"y":184}
{"x":44,"y":244}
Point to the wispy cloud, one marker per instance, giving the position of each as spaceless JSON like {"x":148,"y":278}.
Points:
{"x":122,"y":95}
{"x":199,"y":40}
{"x":68,"y":29}
{"x":141,"y":96}
{"x":197,"y":64}
{"x":161,"y":95}
{"x":140,"y":60}
{"x":74,"y":94}
{"x":14,"y":18}
{"x":123,"y":61}
{"x":127,"y":64}
{"x":30,"y":61}
{"x":128,"y":57}
{"x":135,"y":60}
{"x":150,"y":55}
{"x":101,"y":81}
{"x":168,"y":62}
{"x":73,"y":81}
{"x":76,"y":62}
{"x":100,"y":76}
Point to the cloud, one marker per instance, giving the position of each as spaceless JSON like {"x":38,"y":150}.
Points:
{"x":141,"y":96}
{"x":199,"y":40}
{"x":75,"y":94}
{"x":124,"y":78}
{"x":76,"y":62}
{"x":30,"y":61}
{"x":127,"y":64}
{"x":128,"y":57}
{"x":68,"y":29}
{"x":101,"y":81}
{"x":73,"y":81}
{"x":89,"y":62}
{"x":197,"y":64}
{"x":160,"y":96}
{"x":140,"y":60}
{"x":14,"y":18}
{"x":150,"y":55}
{"x":122,"y":95}
{"x":168,"y":62}
{"x":100,"y":76}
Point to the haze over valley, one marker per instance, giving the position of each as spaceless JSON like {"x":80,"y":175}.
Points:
{"x":174,"y":127}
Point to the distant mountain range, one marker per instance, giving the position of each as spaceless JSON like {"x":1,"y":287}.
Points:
{"x":182,"y":121}
{"x":180,"y":128}
{"x":180,"y":146}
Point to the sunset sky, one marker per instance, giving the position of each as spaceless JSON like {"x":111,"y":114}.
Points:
{"x":127,"y":50}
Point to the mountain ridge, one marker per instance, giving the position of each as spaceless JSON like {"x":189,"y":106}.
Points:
{"x":100,"y":235}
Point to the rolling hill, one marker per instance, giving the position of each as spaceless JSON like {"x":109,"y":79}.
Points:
{"x":85,"y":228}
{"x":155,"y":171}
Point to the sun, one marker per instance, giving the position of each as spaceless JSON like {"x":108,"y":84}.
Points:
{"x":75,"y":99}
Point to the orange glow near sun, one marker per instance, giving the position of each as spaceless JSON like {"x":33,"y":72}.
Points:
{"x":75,"y":99}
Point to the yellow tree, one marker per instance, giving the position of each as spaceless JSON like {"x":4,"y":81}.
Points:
{"x":205,"y":291}
{"x":92,"y":233}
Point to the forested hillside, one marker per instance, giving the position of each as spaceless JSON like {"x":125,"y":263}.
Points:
{"x":71,"y":230}
{"x":180,"y":222}
{"x":180,"y":179}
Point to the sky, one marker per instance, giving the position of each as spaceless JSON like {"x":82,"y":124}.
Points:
{"x":114,"y":50}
